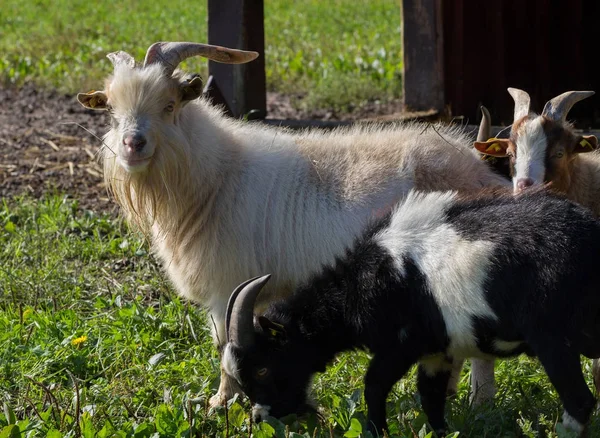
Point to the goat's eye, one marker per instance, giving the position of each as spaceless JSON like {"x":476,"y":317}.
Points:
{"x":170,"y":107}
{"x":559,"y":154}
{"x":261,"y":373}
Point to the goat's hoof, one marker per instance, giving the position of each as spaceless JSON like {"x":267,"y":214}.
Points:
{"x":218,"y":400}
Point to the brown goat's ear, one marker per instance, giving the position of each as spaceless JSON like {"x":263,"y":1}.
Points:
{"x":191,"y":88}
{"x":272,"y":329}
{"x":586,"y":143}
{"x":96,"y":100}
{"x":496,"y":147}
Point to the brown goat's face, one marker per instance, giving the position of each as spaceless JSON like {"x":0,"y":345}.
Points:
{"x":544,"y":151}
{"x":540,"y":151}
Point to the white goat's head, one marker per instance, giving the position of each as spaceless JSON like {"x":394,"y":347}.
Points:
{"x":144,"y":101}
{"x":147,"y":155}
{"x":541,"y":148}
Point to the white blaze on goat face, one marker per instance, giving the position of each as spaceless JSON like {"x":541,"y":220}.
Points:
{"x":260,"y":412}
{"x":455,"y":272}
{"x":531,"y":142}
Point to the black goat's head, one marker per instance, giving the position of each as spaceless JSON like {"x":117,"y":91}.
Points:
{"x":273,"y":366}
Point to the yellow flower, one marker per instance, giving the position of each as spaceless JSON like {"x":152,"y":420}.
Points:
{"x":26,"y":313}
{"x":78,"y":341}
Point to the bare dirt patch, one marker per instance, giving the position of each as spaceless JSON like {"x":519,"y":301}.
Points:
{"x":43,"y":149}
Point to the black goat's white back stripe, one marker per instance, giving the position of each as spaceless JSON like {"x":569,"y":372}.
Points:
{"x":455,"y":268}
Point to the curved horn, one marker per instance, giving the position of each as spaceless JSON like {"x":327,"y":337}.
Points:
{"x":240,"y":311}
{"x":121,"y":57}
{"x":557,"y":109}
{"x":485,"y":127}
{"x":170,"y":54}
{"x":522,"y":102}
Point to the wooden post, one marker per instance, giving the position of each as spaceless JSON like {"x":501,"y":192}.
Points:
{"x":422,"y":42}
{"x":239,"y":24}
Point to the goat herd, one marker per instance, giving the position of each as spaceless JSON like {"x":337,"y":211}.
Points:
{"x":397,"y":239}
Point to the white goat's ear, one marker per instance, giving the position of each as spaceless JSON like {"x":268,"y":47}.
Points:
{"x":586,"y":143}
{"x":96,"y":100}
{"x":272,"y":329}
{"x":496,"y":147}
{"x":191,"y":88}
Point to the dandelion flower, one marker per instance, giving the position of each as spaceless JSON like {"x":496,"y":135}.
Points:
{"x":78,"y":341}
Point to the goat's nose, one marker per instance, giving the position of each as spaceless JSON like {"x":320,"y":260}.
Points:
{"x":523,"y":183}
{"x":135,"y":142}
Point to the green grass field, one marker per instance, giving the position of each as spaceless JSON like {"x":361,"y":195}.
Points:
{"x":332,"y":53}
{"x":94,"y":342}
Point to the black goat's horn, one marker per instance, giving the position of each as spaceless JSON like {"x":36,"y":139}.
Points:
{"x":170,"y":54}
{"x":239,"y":322}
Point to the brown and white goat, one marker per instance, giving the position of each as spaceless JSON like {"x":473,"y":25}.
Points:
{"x":545,"y":149}
{"x":224,"y":200}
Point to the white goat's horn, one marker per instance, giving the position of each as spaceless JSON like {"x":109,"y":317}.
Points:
{"x":485,"y":127}
{"x":522,"y":102}
{"x":121,"y":57}
{"x":170,"y":54}
{"x":239,"y":323}
{"x":558,"y":108}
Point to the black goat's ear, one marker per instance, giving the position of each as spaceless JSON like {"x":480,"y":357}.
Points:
{"x":191,"y":87}
{"x":272,"y":329}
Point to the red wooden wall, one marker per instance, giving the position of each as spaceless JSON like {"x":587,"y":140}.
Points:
{"x":544,"y":47}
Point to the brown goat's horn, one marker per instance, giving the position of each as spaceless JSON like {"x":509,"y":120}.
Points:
{"x":239,"y":321}
{"x":557,"y":109}
{"x":522,"y":102}
{"x":485,"y":127}
{"x":170,"y":54}
{"x":121,"y":57}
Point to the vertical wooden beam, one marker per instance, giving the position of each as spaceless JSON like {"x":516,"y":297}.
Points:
{"x":239,"y":24}
{"x":422,"y":42}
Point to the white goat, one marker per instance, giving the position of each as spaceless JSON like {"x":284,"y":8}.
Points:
{"x":225,"y":200}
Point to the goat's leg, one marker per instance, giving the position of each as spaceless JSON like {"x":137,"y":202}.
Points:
{"x":228,"y":385}
{"x":483,"y":384}
{"x":563,"y":368}
{"x":596,"y":374}
{"x":452,"y":387}
{"x":383,"y":373}
{"x":432,"y":381}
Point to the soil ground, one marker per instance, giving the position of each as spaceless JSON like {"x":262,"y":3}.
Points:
{"x":44,"y":146}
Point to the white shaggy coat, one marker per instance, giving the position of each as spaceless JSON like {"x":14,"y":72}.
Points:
{"x":224,"y":200}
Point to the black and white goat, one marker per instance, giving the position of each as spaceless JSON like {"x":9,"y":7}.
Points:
{"x":437,"y":280}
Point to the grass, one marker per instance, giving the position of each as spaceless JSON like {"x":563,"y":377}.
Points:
{"x":335,"y":54}
{"x":93,"y":340}
{"x":95,"y":343}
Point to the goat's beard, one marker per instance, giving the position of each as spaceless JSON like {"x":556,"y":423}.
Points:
{"x":157,"y":198}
